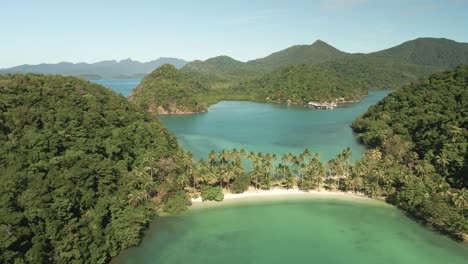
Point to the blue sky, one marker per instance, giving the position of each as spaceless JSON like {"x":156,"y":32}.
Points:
{"x":88,"y":31}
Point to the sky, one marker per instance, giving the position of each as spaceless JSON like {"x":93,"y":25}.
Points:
{"x":52,"y":31}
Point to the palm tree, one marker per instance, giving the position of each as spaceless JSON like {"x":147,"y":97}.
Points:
{"x":226,"y":175}
{"x":252,"y":157}
{"x":150,"y":163}
{"x":242,"y":152}
{"x":454,"y":132}
{"x":266,"y":169}
{"x":256,"y":173}
{"x":460,"y":198}
{"x":224,"y":157}
{"x":188,"y":164}
{"x":212,"y":158}
{"x":442,"y":161}
{"x":306,"y":154}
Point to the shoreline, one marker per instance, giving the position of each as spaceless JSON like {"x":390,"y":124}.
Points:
{"x":275,"y":194}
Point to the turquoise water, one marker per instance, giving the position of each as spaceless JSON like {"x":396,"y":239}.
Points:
{"x":311,"y":230}
{"x":122,"y":86}
{"x":271,"y":128}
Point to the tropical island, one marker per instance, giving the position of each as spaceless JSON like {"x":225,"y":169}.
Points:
{"x":84,"y":170}
{"x":127,"y":165}
{"x":299,"y":75}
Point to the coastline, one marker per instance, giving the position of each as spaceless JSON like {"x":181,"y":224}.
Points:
{"x":275,"y":194}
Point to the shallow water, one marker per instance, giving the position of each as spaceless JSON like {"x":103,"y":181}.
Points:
{"x":271,"y":128}
{"x":311,"y":230}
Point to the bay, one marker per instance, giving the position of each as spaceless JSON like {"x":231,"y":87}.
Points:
{"x":271,"y":128}
{"x":310,"y":230}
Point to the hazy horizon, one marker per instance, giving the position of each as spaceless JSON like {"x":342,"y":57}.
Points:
{"x":54,"y":31}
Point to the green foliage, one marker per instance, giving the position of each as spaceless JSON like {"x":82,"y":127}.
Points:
{"x":240,"y":184}
{"x":429,"y":113}
{"x":78,"y":166}
{"x":420,"y":139}
{"x":302,"y":84}
{"x":209,"y":193}
{"x":167,"y":90}
{"x":176,"y":203}
{"x":430,"y":51}
{"x":316,"y":53}
{"x":304,"y":73}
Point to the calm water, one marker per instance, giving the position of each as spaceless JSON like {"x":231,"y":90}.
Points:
{"x":288,"y":231}
{"x":296,"y":231}
{"x":122,"y":86}
{"x":270,"y":128}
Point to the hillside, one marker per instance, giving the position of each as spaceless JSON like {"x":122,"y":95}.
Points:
{"x":373,"y":72}
{"x":443,"y":53}
{"x":316,"y":53}
{"x":79,"y":166}
{"x":432,"y":115}
{"x":169,"y":91}
{"x":419,"y":136}
{"x":273,"y":76}
{"x":301,"y":84}
{"x":103,"y":69}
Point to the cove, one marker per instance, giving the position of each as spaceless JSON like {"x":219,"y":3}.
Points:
{"x":308,"y":230}
{"x":271,"y":128}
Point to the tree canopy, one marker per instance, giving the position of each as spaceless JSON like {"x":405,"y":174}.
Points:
{"x":78,"y":166}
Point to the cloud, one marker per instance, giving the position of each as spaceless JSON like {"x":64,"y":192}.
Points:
{"x":338,"y":5}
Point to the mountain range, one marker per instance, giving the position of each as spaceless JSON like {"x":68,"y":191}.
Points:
{"x":298,"y":75}
{"x":431,"y":52}
{"x":104,"y":69}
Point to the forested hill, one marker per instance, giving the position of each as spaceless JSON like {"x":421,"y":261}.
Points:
{"x":420,"y":133}
{"x":169,"y":91}
{"x":78,"y":167}
{"x":297,"y":74}
{"x":426,"y":52}
{"x":103,"y":69}
{"x":316,"y":53}
{"x":301,"y":84}
{"x":430,"y":52}
{"x":433,"y":115}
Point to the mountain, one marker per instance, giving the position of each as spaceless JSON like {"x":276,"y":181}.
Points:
{"x":220,"y":64}
{"x":169,"y":91}
{"x":103,"y":69}
{"x":316,"y":53}
{"x":74,"y":179}
{"x":300,"y":84}
{"x":437,"y":52}
{"x":274,"y":76}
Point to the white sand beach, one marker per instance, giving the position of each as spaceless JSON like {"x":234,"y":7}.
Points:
{"x":279,"y":193}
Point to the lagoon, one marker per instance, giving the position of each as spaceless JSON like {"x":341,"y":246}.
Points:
{"x":271,"y":128}
{"x":308,"y":230}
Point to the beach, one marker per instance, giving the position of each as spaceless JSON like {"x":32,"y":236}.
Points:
{"x":279,"y":194}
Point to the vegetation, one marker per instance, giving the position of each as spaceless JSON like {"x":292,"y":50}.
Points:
{"x":209,"y":193}
{"x":421,"y":132}
{"x":168,"y":91}
{"x":100,"y":70}
{"x":385,"y":173}
{"x":316,"y":53}
{"x":429,"y":51}
{"x":301,"y":84}
{"x":82,"y":171}
{"x":304,"y":73}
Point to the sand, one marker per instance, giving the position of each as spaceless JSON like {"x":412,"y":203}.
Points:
{"x":278,"y":194}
